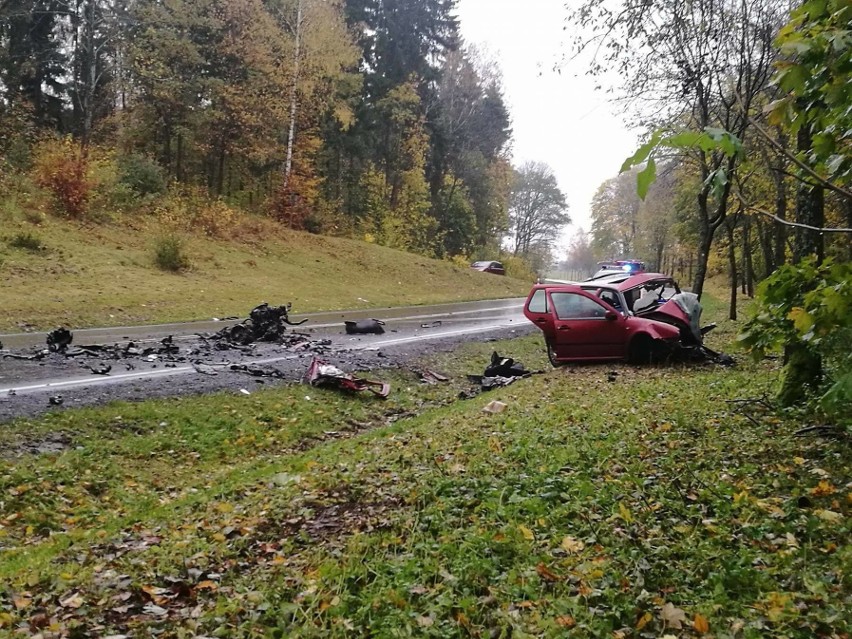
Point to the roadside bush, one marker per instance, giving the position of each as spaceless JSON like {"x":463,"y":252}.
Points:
{"x":26,"y":241}
{"x":190,"y":209}
{"x":59,"y":167}
{"x":170,"y":253}
{"x":141,"y":174}
{"x":516,"y":267}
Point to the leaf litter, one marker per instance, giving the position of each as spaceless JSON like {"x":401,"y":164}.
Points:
{"x":657,"y":516}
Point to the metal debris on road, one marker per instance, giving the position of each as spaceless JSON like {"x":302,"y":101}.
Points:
{"x":59,"y":339}
{"x":265,"y":324}
{"x":364,"y":327}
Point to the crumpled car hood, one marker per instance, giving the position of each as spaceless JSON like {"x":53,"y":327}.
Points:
{"x":685,"y":310}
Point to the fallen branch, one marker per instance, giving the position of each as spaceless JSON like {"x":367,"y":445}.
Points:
{"x":821,"y":429}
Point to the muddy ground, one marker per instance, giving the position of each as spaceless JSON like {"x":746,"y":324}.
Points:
{"x":352,"y":355}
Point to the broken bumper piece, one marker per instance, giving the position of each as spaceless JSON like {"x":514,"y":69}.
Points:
{"x":321,"y":373}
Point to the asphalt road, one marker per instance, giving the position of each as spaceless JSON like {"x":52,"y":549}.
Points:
{"x":26,"y":387}
{"x":321,"y":322}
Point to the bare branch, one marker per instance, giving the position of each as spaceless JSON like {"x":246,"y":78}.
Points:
{"x":756,"y":209}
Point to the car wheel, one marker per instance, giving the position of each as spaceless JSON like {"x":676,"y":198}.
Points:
{"x":641,"y":350}
{"x":551,"y":354}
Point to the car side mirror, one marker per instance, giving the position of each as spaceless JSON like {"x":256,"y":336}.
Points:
{"x":611,"y":315}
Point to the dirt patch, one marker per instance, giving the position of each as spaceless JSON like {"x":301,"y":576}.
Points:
{"x":327,"y":521}
{"x":49,"y":444}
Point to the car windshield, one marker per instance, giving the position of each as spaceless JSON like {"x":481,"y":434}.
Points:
{"x":650,"y":295}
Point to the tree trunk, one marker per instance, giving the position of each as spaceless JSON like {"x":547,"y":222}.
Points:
{"x":810,"y":210}
{"x":748,"y":266}
{"x":732,"y":269}
{"x":765,"y":240}
{"x":178,"y":169}
{"x":288,"y":164}
{"x":705,"y":241}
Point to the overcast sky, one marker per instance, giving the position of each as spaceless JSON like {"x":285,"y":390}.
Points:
{"x":558,"y":119}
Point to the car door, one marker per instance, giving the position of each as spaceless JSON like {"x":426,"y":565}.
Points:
{"x":584,"y":328}
{"x":538,"y":312}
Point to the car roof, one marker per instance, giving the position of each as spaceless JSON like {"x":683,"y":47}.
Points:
{"x":639,"y":279}
{"x":631,"y":282}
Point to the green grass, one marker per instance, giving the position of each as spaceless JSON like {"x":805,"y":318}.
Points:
{"x":588,"y":508}
{"x":102,"y":275}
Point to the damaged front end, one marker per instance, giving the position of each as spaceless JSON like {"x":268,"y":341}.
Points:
{"x":683,"y":310}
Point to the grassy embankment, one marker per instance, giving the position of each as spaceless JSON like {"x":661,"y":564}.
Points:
{"x":101,"y":275}
{"x":648,"y":506}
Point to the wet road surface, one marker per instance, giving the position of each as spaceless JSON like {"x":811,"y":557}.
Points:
{"x":26,"y":386}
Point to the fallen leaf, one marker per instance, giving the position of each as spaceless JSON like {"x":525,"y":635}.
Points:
{"x":155,"y":610}
{"x":74,"y":600}
{"x":625,"y":513}
{"x":643,"y":620}
{"x":546,"y":573}
{"x":425,"y":621}
{"x":673,"y":617}
{"x":21,"y":601}
{"x":571,"y":545}
{"x":566,"y":621}
{"x":528,"y":534}
{"x":823,"y":488}
{"x":829,"y":516}
{"x":700,"y":623}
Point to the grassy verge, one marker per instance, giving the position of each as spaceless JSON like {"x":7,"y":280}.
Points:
{"x":646,"y":506}
{"x":103,"y":275}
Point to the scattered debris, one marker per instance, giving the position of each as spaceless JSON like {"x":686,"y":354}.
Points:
{"x":257,"y":371}
{"x":321,"y":373}
{"x":265,"y":324}
{"x":55,"y":400}
{"x":434,"y":324}
{"x":611,"y":376}
{"x":431,"y":377}
{"x":35,"y":356}
{"x":244,"y":391}
{"x":364,"y":327}
{"x":494,"y":407}
{"x":59,"y":339}
{"x":505,"y":367}
{"x":103,"y":369}
{"x":204,"y":369}
{"x":502,"y":371}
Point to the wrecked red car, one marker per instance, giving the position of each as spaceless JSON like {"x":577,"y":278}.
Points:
{"x":645,"y":318}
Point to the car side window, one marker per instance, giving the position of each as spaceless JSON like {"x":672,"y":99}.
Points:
{"x":538,"y":302}
{"x":574,"y":306}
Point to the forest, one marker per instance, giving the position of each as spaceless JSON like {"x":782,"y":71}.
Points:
{"x":363,"y":118}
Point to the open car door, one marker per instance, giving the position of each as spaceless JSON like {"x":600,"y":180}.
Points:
{"x":585,"y":328}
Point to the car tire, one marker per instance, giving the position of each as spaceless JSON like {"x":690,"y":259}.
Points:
{"x":641,"y":349}
{"x":551,"y":354}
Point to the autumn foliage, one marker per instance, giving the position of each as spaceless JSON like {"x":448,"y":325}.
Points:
{"x":62,"y":168}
